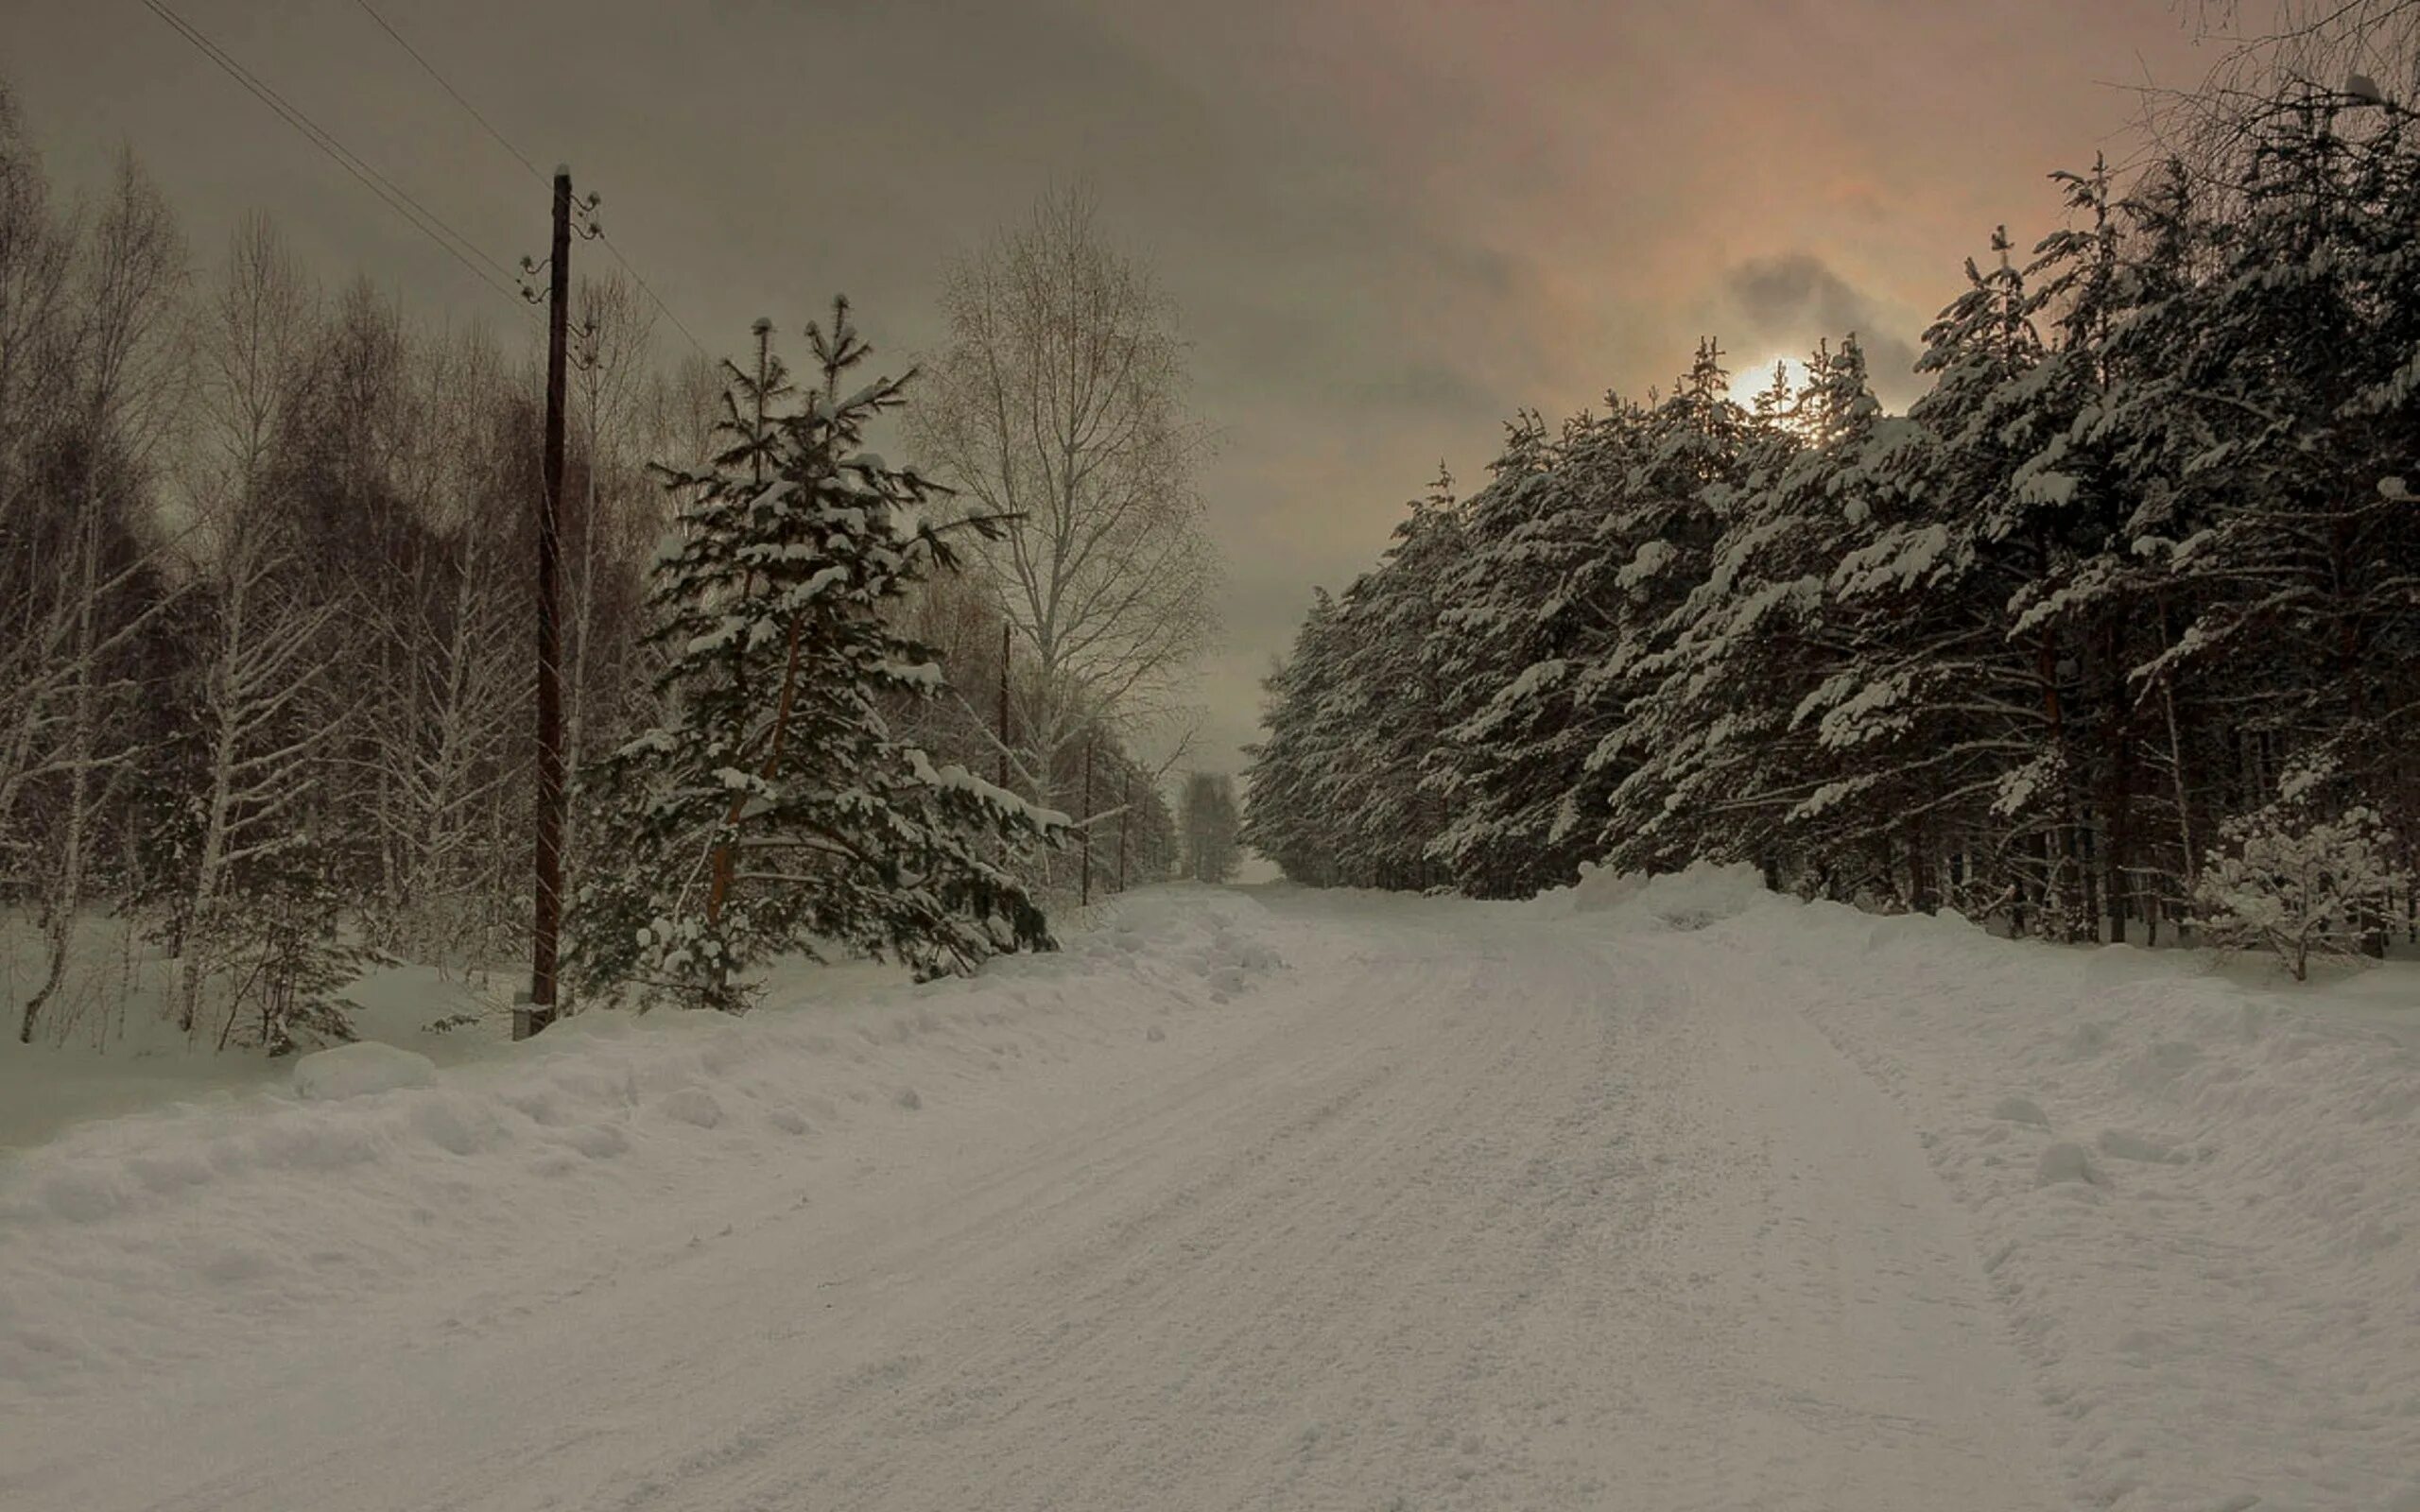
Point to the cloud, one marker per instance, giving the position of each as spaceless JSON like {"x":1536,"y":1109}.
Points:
{"x":1428,"y":387}
{"x":1387,"y":225}
{"x":1791,"y":301}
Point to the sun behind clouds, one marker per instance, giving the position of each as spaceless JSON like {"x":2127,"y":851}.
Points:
{"x":1747,"y":383}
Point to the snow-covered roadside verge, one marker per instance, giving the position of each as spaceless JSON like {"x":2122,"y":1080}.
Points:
{"x":134,"y":1246}
{"x":2199,"y":1199}
{"x":110,"y":1048}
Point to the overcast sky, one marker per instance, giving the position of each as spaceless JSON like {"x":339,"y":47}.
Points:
{"x":1387,"y":224}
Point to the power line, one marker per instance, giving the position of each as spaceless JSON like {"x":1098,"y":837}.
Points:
{"x":427,"y":221}
{"x":640,"y":279}
{"x":596,"y":232}
{"x":431,"y":70}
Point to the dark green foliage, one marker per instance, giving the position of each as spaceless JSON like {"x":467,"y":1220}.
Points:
{"x":2146,"y":545}
{"x":773,"y":810}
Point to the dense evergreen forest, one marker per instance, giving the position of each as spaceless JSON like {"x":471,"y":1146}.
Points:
{"x":2117,"y":627}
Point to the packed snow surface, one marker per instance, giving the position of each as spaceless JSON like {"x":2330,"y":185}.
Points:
{"x":1646,"y":1195}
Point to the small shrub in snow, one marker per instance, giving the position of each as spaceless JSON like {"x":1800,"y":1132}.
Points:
{"x":274,"y":953}
{"x":2297,"y":881}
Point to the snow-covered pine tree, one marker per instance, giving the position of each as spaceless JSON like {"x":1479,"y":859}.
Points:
{"x":1380,"y":716}
{"x":1668,"y":509}
{"x":2293,"y":397}
{"x":2091,"y":494}
{"x":2143,"y":548}
{"x":772,"y":810}
{"x":1521,"y":616}
{"x":1938,"y":734}
{"x":1286,"y":817}
{"x":1720,"y":765}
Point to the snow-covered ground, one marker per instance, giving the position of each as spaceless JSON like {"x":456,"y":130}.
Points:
{"x":108,"y":1046}
{"x":1673,"y":1197}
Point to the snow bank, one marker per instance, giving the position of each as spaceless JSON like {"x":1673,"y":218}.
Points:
{"x":1687,"y":900}
{"x":113,"y":1047}
{"x":359,"y":1070}
{"x":2197,"y":1198}
{"x":130,"y":1245}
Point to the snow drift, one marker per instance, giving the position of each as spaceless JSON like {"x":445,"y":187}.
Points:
{"x":135,"y":1243}
{"x":2197,"y":1195}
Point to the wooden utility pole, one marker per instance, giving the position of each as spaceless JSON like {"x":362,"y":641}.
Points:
{"x":1125,"y":819}
{"x":540,"y":1010}
{"x":1087,"y":899}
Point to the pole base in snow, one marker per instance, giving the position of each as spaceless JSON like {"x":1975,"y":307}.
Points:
{"x":527,"y":1017}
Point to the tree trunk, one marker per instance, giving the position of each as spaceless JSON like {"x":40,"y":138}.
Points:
{"x":2120,"y":827}
{"x":2176,"y":769}
{"x":82,"y":738}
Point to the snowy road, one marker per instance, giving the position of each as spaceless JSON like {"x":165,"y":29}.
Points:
{"x":1466,"y":1210}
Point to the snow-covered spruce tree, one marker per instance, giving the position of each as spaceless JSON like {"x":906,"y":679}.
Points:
{"x":1285,"y":818}
{"x":2293,"y":388}
{"x":1508,"y":645}
{"x":1670,"y":510}
{"x":2091,"y":497}
{"x":772,"y":810}
{"x":1928,"y":733}
{"x":1370,"y":711}
{"x":1720,"y":765}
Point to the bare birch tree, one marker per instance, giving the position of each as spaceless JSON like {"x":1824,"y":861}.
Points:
{"x":614,"y":528}
{"x":266,"y":635}
{"x":126,"y":296}
{"x":2339,"y":57}
{"x":1059,"y":401}
{"x":37,"y":251}
{"x":366,"y":461}
{"x":455,"y":744}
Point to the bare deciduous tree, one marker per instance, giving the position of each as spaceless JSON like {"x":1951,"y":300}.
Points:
{"x":37,"y":254}
{"x":1059,"y":402}
{"x":125,"y":297}
{"x":2339,"y":56}
{"x":619,"y":515}
{"x":459,"y":746}
{"x":267,"y":637}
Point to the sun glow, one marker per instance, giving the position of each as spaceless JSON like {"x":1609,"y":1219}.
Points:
{"x":1757,"y":378}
